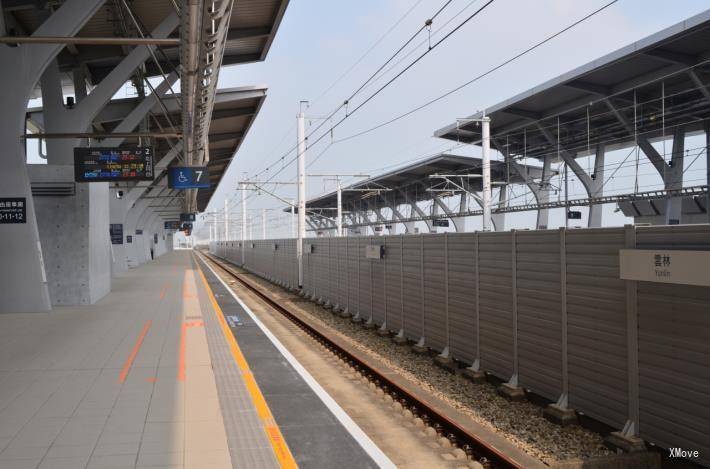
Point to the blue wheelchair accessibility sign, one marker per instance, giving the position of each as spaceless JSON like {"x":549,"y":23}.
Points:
{"x":188,"y":177}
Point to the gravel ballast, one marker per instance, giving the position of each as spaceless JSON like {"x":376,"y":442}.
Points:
{"x":522,"y":422}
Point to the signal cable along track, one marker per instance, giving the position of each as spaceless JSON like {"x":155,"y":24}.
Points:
{"x":444,"y":421}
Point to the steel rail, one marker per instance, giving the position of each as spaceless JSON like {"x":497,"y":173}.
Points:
{"x":450,"y":429}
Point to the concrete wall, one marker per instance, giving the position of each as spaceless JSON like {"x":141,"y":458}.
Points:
{"x":74,"y":233}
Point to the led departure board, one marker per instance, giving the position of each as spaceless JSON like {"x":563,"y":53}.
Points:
{"x":113,"y":164}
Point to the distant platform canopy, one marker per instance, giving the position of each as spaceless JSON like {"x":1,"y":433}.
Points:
{"x":415,"y":183}
{"x":645,"y":91}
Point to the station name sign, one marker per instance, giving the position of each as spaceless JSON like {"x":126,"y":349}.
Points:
{"x":188,"y":177}
{"x":13,"y":210}
{"x":374,"y":251}
{"x":113,"y":164}
{"x":665,"y":266}
{"x":172,"y":225}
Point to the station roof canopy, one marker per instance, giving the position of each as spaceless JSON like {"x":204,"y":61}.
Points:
{"x":658,"y":83}
{"x":412,"y":183}
{"x":234,"y":112}
{"x":252,"y":29}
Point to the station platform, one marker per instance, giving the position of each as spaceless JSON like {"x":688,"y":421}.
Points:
{"x":168,"y":370}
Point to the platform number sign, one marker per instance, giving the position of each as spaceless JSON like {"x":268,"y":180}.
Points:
{"x":188,"y":177}
{"x":13,"y":210}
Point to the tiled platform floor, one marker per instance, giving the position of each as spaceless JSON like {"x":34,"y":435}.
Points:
{"x":127,"y":382}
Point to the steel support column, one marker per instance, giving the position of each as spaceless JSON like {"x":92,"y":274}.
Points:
{"x":498,"y":218}
{"x":673,"y":179}
{"x":595,"y":211}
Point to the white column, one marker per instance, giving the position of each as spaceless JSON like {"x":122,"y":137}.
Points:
{"x":23,"y":279}
{"x":301,"y":193}
{"x":226,"y":219}
{"x":486,"y":169}
{"x":340,"y":210}
{"x":293,"y":218}
{"x":244,"y":219}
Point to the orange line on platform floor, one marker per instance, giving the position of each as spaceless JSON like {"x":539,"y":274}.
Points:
{"x":129,"y":361}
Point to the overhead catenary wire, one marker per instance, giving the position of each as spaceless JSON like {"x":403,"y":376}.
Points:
{"x":352,"y":95}
{"x":458,"y":88}
{"x":326,"y":119}
{"x":404,"y":70}
{"x":478,"y":77}
{"x":367,"y":52}
{"x":422,"y":43}
{"x":337,"y":141}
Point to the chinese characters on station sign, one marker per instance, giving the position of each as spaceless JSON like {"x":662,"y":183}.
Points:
{"x":113,"y":164}
{"x":674,"y":266}
{"x":13,"y":210}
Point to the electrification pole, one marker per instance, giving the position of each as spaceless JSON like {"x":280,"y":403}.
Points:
{"x":340,"y":209}
{"x":226,"y":219}
{"x":263,"y":223}
{"x":301,"y":190}
{"x":486,"y":170}
{"x":244,"y":219}
{"x":566,"y":199}
{"x":293,"y":218}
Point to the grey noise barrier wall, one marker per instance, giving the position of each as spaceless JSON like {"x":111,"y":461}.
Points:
{"x":546,"y":307}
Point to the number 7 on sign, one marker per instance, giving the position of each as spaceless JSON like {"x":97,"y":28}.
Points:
{"x":199,"y":175}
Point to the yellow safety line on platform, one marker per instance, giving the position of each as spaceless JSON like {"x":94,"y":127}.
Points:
{"x":278,"y":444}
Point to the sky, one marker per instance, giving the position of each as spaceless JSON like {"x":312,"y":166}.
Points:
{"x":320,"y":40}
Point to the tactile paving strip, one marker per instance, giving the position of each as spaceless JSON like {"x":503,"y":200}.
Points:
{"x":249,"y":446}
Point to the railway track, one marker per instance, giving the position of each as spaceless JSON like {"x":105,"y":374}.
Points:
{"x":432,"y":415}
